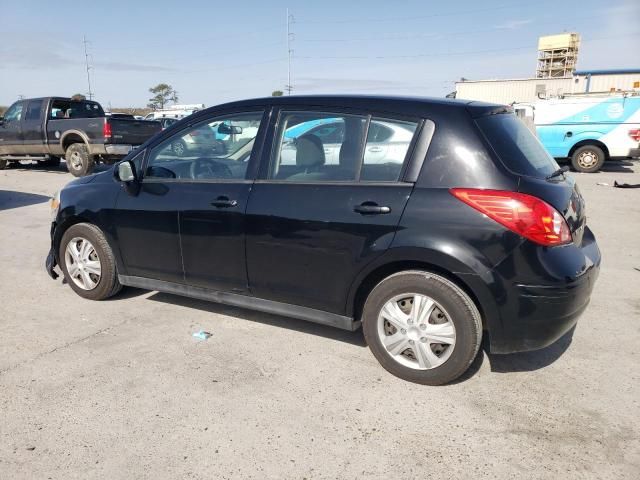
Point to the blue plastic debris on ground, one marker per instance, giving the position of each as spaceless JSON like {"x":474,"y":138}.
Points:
{"x":202,"y":335}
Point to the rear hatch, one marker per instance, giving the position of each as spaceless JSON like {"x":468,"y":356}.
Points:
{"x":521,"y":153}
{"x":132,"y":132}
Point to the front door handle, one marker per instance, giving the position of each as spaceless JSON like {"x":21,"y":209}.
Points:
{"x":375,"y":149}
{"x":224,"y":202}
{"x":371,"y":208}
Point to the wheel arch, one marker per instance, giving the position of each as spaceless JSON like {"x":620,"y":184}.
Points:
{"x":73,"y":136}
{"x":62,"y":227}
{"x":482,"y":288}
{"x":73,"y":219}
{"x":595,"y":143}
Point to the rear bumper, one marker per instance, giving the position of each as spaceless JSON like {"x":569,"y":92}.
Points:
{"x":535,"y":312}
{"x":110,"y":149}
{"x":634,"y":153}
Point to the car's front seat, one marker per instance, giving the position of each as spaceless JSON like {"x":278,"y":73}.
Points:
{"x":349,"y":159}
{"x":309,"y":158}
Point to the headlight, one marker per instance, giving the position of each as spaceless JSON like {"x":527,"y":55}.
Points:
{"x":54,"y":204}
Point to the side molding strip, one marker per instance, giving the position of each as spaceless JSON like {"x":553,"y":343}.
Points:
{"x":243,"y":301}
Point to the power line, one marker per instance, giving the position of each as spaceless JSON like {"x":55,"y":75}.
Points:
{"x":433,"y":35}
{"x":421,"y":17}
{"x":444,"y":54}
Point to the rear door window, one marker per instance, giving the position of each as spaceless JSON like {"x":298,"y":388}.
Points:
{"x":328,"y":147}
{"x":518,"y":148}
{"x":386,"y":149}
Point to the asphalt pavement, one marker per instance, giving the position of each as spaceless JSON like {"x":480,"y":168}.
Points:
{"x":121,"y":389}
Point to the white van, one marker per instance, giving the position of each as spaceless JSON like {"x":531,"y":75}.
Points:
{"x":175,"y":111}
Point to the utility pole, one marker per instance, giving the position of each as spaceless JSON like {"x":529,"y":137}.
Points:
{"x":288,"y":87}
{"x":87,"y":66}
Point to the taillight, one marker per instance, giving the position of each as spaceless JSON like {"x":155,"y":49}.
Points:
{"x":106,"y":129}
{"x":635,"y":134}
{"x":523,"y":214}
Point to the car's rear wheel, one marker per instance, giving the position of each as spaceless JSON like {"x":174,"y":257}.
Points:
{"x":79,"y":162}
{"x":587,"y":159}
{"x":88,"y":263}
{"x":422,"y":327}
{"x":3,"y":164}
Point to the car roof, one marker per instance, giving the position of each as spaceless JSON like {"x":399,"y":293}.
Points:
{"x":414,"y":106}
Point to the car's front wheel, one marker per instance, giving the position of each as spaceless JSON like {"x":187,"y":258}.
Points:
{"x":422,"y":327}
{"x":87,"y":262}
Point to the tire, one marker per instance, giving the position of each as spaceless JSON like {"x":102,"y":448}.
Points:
{"x":453,"y":316}
{"x":106,"y":283}
{"x":51,"y":162}
{"x":79,"y":162}
{"x":587,"y":159}
{"x":179,"y":148}
{"x":3,"y":164}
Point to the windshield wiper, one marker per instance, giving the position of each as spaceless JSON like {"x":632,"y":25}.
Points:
{"x":558,"y":172}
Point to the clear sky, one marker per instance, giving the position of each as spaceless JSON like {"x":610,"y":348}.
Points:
{"x":215,"y":51}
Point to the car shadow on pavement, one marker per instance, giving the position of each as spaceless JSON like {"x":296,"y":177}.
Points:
{"x":530,"y":361}
{"x":242,"y":314}
{"x":12,"y":199}
{"x":618,"y":166}
{"x":60,"y":169}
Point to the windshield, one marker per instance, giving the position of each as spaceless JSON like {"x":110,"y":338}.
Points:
{"x":517,"y":147}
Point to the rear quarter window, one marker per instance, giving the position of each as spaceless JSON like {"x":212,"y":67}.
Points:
{"x":518,"y":148}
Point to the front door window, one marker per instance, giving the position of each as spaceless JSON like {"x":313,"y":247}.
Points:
{"x":217,"y":149}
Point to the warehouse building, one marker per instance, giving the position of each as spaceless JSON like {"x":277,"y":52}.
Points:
{"x":531,"y":89}
{"x":555,"y":76}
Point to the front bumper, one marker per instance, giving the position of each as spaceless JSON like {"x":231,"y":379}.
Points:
{"x":51,"y":260}
{"x":50,"y":264}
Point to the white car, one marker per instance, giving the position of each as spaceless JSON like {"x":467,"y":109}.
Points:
{"x":386,"y":142}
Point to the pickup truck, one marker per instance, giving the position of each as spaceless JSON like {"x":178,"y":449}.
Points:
{"x":46,"y":129}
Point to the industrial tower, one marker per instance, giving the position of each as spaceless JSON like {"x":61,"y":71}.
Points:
{"x":557,"y":55}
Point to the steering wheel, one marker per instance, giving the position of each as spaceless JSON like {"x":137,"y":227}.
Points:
{"x":207,"y":168}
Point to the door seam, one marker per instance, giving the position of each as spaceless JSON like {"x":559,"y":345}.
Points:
{"x":184,"y":273}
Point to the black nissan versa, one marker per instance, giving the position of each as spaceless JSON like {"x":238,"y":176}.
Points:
{"x":429,"y":222}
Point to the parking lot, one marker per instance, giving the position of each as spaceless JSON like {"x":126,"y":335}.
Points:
{"x":97,"y":389}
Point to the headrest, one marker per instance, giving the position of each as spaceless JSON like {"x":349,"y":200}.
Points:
{"x":309,"y":151}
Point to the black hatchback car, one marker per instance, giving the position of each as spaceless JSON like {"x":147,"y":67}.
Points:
{"x":429,"y":222}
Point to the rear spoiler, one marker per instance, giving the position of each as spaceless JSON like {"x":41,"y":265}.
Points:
{"x":482,"y":109}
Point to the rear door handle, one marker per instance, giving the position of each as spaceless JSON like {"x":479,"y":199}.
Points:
{"x":370,"y":208}
{"x":224,"y":202}
{"x":375,"y":149}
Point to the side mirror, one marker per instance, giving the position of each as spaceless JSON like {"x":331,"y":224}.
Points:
{"x":225,"y":129}
{"x":126,"y":172}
